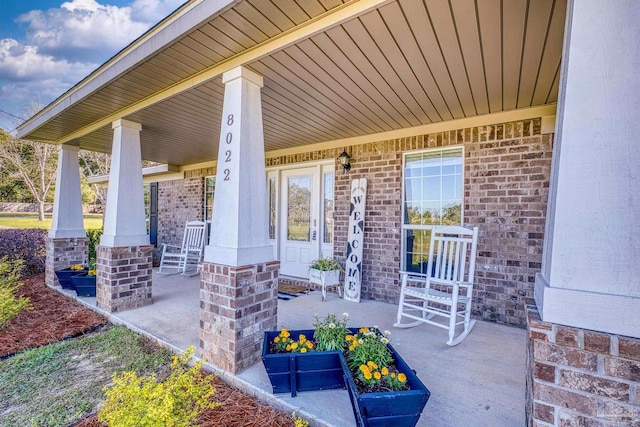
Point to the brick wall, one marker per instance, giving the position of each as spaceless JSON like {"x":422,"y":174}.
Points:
{"x":506,"y":179}
{"x":63,"y":253}
{"x":577,"y":377}
{"x":180,"y":201}
{"x":124,"y":277}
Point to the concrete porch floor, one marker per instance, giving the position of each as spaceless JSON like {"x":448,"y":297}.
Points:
{"x":480,"y":382}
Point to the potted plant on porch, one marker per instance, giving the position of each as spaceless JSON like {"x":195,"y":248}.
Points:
{"x":382,"y":388}
{"x":64,"y":275}
{"x":85,"y":283}
{"x":325,"y":272}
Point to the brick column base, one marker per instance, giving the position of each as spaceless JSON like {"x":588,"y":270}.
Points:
{"x":63,"y":253}
{"x":124,"y":277}
{"x":237,"y":305}
{"x":577,"y":377}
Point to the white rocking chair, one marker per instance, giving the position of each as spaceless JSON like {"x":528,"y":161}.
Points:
{"x":447,"y":285}
{"x":179,"y":258}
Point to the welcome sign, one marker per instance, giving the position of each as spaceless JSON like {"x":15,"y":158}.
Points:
{"x":353,"y":267}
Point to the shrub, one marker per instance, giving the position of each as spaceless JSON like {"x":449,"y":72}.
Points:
{"x":10,"y":304}
{"x":94,"y":240}
{"x":29,"y":245}
{"x":145,"y":402}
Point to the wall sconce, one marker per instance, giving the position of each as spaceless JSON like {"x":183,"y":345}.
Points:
{"x":344,"y":161}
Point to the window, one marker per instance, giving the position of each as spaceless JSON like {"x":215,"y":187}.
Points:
{"x":147,"y":205}
{"x":272,"y":208}
{"x":209,"y":189}
{"x":432,"y":196}
{"x":327,"y":207}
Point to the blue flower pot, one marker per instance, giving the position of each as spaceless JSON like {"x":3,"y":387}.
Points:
{"x":64,"y":276}
{"x":396,"y":408}
{"x":84,"y":285}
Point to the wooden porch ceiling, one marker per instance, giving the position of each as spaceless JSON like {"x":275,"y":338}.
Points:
{"x":406,"y":63}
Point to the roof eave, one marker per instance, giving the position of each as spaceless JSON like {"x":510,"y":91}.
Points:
{"x":174,"y":26}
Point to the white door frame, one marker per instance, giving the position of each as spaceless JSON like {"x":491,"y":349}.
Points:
{"x":318,"y":247}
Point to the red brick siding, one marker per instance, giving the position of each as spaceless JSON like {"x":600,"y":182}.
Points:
{"x":577,"y":377}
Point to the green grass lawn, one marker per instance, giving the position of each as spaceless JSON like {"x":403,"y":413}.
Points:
{"x":30,"y":220}
{"x":60,"y":383}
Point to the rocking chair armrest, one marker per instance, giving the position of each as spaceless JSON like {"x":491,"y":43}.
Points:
{"x":411,"y":274}
{"x":167,"y":245}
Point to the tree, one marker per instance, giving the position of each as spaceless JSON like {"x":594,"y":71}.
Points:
{"x":93,"y":164}
{"x":34,"y":163}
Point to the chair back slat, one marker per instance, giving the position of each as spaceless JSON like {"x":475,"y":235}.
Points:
{"x":193,"y":239}
{"x":452,"y":252}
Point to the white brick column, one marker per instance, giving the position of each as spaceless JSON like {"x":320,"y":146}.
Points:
{"x":67,"y":243}
{"x":124,"y":221}
{"x":590,"y":272}
{"x":124,"y":256}
{"x":67,"y":205}
{"x":239,"y":280}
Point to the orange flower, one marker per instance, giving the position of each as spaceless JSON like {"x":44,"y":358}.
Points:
{"x":402,"y":378}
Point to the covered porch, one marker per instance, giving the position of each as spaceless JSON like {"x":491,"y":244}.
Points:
{"x":480,"y":382}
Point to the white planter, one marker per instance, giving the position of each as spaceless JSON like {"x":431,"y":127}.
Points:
{"x":324,"y":279}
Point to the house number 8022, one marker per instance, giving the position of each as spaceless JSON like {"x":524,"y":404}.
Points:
{"x":228,"y":139}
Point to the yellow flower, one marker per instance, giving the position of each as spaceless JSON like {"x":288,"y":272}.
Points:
{"x":372,"y":365}
{"x":76,"y":267}
{"x":364,"y":368}
{"x":367,"y":375}
{"x":351,"y":347}
{"x":309,"y":344}
{"x":393,"y":375}
{"x":349,"y":337}
{"x":376,"y":375}
{"x":402,"y":377}
{"x":303,"y":350}
{"x":92,"y":273}
{"x":284,"y":333}
{"x":276,"y":339}
{"x":302,"y":337}
{"x":385,"y":371}
{"x":288,"y":347}
{"x":363,"y":330}
{"x":294,"y":345}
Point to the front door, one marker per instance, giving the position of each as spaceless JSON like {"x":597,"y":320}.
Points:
{"x":300,"y":215}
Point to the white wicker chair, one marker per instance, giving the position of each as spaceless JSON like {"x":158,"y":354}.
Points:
{"x":448,"y":289}
{"x":180,"y":258}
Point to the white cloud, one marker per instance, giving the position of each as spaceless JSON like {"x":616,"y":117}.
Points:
{"x":63,"y":45}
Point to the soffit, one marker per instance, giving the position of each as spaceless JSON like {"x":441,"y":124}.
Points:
{"x":407,"y":63}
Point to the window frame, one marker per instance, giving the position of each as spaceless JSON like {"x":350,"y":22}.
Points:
{"x":421,"y":227}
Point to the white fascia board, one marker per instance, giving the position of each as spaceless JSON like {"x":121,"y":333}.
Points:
{"x":189,"y":16}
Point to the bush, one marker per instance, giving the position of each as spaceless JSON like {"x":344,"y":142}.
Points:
{"x":29,"y":245}
{"x":144,"y":401}
{"x":10,"y":305}
{"x":94,"y":240}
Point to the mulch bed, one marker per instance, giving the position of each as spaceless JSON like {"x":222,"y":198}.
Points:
{"x":55,"y":317}
{"x":52,"y":317}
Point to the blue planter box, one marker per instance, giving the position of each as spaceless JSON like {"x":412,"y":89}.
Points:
{"x":84,"y":285}
{"x":398,"y":408}
{"x":294,"y":372}
{"x":64,"y":276}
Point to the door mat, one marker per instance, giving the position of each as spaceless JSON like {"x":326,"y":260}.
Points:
{"x":287,"y":291}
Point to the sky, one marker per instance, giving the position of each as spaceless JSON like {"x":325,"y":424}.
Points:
{"x":47,"y":46}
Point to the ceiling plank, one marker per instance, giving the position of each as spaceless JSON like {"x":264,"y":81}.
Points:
{"x":552,"y":55}
{"x":514,"y":17}
{"x":538,"y":20}
{"x":489,"y":13}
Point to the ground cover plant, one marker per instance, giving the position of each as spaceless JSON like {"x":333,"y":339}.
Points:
{"x":30,"y":220}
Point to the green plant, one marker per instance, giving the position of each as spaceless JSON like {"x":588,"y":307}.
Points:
{"x":94,"y":240}
{"x":368,"y":345}
{"x":325,"y":264}
{"x":299,"y":421}
{"x":380,"y":378}
{"x":283,"y":343}
{"x":144,"y":401}
{"x":330,"y":332}
{"x":10,"y":304}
